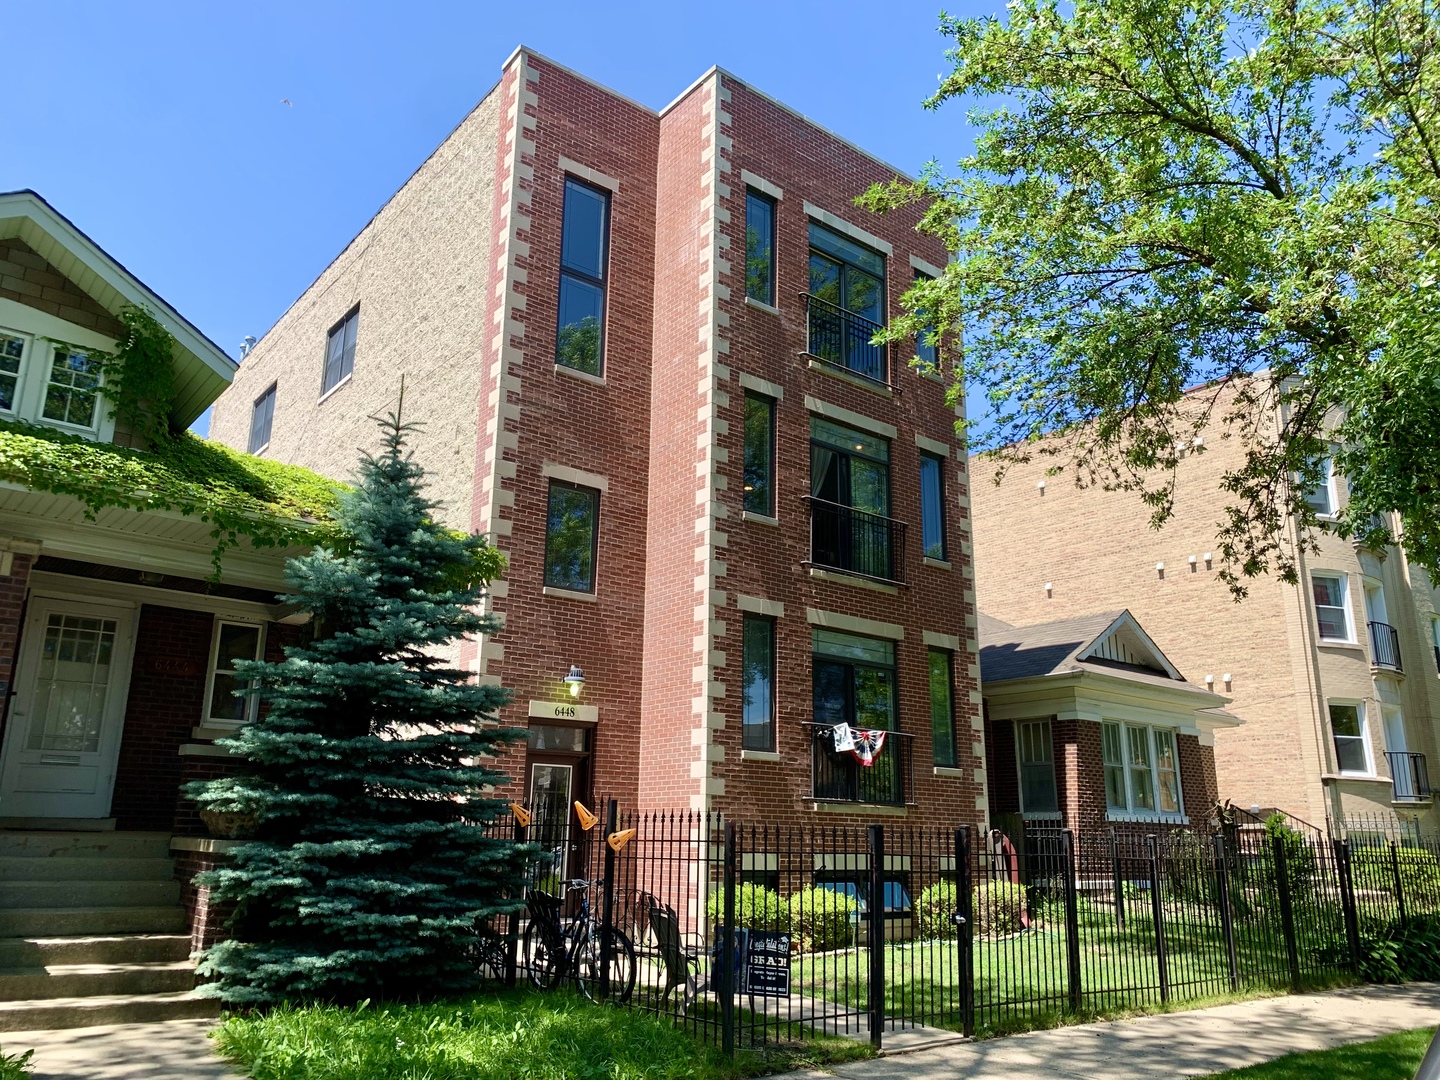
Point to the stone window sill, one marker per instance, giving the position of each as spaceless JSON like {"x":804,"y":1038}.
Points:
{"x":857,"y":582}
{"x":946,"y":770}
{"x":750,"y":301}
{"x":850,"y":380}
{"x":569,"y":594}
{"x":763,"y":519}
{"x":882,"y":809}
{"x":938,"y":564}
{"x":759,"y":755}
{"x":583,"y":376}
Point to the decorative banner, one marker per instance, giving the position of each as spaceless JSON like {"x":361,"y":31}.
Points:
{"x":587,"y":819}
{"x":868,"y":745}
{"x":618,"y":840}
{"x":521,"y":814}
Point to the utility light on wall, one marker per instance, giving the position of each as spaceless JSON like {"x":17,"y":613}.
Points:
{"x":1049,"y":590}
{"x":575,"y":680}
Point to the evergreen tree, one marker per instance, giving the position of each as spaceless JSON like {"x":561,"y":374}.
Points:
{"x":369,"y":864}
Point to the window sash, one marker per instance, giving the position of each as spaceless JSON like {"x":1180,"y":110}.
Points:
{"x":1321,"y":497}
{"x":72,"y":390}
{"x":759,"y":247}
{"x":942,"y":708}
{"x":584,"y":260}
{"x":1332,"y":606}
{"x":927,"y":348}
{"x":340,"y":351}
{"x":1167,"y":771}
{"x":262,"y":416}
{"x":222,"y":706}
{"x":14,"y":349}
{"x":1035,"y":751}
{"x":932,"y":506}
{"x":760,"y":455}
{"x":1113,"y":755}
{"x":1347,"y":728}
{"x":758,"y":684}
{"x":571,"y":536}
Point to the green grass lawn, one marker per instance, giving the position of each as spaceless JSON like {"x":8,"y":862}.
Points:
{"x":1394,"y":1057}
{"x":15,"y":1066}
{"x":516,"y":1035}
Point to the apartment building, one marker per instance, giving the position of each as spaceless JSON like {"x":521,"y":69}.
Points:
{"x":1335,"y":679}
{"x":640,"y":344}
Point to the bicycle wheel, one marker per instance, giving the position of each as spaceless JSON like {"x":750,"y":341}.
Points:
{"x":544,"y":955}
{"x":488,"y":953}
{"x":588,"y":966}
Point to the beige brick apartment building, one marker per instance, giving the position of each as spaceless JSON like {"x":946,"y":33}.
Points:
{"x":639,"y":343}
{"x":1335,"y":680}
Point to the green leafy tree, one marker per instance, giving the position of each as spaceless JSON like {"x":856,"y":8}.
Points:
{"x":1239,"y":195}
{"x":369,"y":863}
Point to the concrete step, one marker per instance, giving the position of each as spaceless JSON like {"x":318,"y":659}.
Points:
{"x":82,"y":893}
{"x":91,"y":980}
{"x":113,"y":845}
{"x":84,"y":868}
{"x":67,"y":922}
{"x":48,"y":1014}
{"x":93,"y":949}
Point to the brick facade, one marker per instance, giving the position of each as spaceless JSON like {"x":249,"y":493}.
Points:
{"x":28,"y":279}
{"x":661,"y":433}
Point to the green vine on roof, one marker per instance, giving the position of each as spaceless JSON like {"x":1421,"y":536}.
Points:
{"x":241,"y":497}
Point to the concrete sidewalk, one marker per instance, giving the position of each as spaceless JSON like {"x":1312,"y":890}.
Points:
{"x":1176,"y":1045}
{"x":1181,"y":1044}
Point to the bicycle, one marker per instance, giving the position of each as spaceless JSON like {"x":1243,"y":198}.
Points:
{"x":554,"y":950}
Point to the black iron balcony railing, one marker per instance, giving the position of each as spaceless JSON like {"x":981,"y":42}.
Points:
{"x":838,"y":777}
{"x":1384,"y":646}
{"x":842,"y":338}
{"x":855,"y":542}
{"x":1409,"y":778}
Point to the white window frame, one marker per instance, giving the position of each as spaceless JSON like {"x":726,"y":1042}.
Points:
{"x":97,"y":410}
{"x":27,"y":358}
{"x":1362,"y":712}
{"x":43,"y":334}
{"x":1344,"y":580}
{"x":1332,"y":495}
{"x":206,"y":720}
{"x":1129,"y":812}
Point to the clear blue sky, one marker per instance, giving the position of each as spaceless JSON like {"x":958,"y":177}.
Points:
{"x":159,"y":128}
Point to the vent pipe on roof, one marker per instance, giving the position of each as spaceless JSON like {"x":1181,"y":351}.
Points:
{"x":247,"y":345}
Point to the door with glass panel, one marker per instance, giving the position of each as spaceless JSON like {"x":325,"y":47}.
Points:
{"x":62,"y":732}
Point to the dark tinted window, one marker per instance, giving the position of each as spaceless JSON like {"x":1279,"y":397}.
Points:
{"x":932,"y":506}
{"x":759,"y":247}
{"x":340,"y":351}
{"x":759,"y":684}
{"x":942,"y":709}
{"x":759,"y":454}
{"x":261,"y":416}
{"x":570,"y":532}
{"x":584,"y":239}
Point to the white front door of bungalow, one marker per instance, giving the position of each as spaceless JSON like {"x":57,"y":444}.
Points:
{"x":62,"y":734}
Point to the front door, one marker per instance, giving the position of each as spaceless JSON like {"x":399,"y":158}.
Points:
{"x":62,"y":733}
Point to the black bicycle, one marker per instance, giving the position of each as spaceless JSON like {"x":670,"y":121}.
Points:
{"x":556,"y":949}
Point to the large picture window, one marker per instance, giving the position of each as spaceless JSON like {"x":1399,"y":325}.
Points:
{"x":584,"y":244}
{"x":1332,"y":606}
{"x":340,"y":351}
{"x":942,"y":707}
{"x":232,"y":699}
{"x":1142,"y":770}
{"x":571,"y":529}
{"x":760,"y":455}
{"x":759,"y":247}
{"x":759,"y":684}
{"x":850,"y":501}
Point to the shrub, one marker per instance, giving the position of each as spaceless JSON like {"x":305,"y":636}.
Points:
{"x":1189,"y":869}
{"x":999,"y":906}
{"x":933,"y":910}
{"x":1419,"y":874}
{"x":1299,"y":859}
{"x":756,"y":908}
{"x":822,"y":919}
{"x":1400,"y":955}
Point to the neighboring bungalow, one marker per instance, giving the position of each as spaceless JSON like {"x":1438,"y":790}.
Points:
{"x":116,"y":639}
{"x":1089,"y":726}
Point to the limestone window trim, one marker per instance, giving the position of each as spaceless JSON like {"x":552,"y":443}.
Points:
{"x":761,"y":386}
{"x":936,"y":564}
{"x":849,"y":380}
{"x":750,"y":301}
{"x":589,"y":175}
{"x":579,"y":477}
{"x":851,"y":419}
{"x":760,"y":184}
{"x":932,"y":446}
{"x":757,"y":605}
{"x":949,"y":771}
{"x":569,"y":594}
{"x":819,"y":574}
{"x":854,"y":624}
{"x":761,"y":755}
{"x":854,"y":232}
{"x":759,"y":519}
{"x":583,"y":376}
{"x":928,"y":269}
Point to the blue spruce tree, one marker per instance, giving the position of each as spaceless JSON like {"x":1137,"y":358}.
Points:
{"x":370,"y":863}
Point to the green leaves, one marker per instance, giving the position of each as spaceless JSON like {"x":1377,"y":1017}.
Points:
{"x":1214,"y":214}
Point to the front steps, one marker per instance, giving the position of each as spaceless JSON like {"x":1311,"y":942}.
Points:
{"x":92,"y":931}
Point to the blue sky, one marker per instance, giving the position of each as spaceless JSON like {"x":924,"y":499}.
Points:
{"x":159,"y":128}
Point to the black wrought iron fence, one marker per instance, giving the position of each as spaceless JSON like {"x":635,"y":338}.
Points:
{"x":755,"y":934}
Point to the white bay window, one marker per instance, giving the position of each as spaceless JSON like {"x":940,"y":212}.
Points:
{"x":1142,"y":771}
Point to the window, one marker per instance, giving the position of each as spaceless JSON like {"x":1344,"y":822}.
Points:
{"x":1332,"y":611}
{"x":1142,"y":770}
{"x":340,"y":351}
{"x":854,"y":683}
{"x":1321,"y":497}
{"x":570,"y":537}
{"x":1037,"y":767}
{"x":12,"y":355}
{"x":932,"y":506}
{"x":760,"y":455}
{"x":847,"y":303}
{"x":584,"y":239}
{"x":850,"y":505}
{"x":942,"y":708}
{"x":261,"y":415}
{"x":759,"y":247}
{"x":73,"y":388}
{"x":927,"y":347}
{"x":1347,"y":726}
{"x":758,"y":720}
{"x":232,"y":699}
{"x":1435,"y":639}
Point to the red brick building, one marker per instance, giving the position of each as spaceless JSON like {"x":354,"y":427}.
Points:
{"x":640,"y":343}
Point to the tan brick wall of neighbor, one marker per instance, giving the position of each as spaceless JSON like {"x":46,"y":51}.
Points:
{"x":1097,"y":552}
{"x":420,"y":271}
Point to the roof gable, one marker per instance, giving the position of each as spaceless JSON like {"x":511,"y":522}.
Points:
{"x":1125,"y":642}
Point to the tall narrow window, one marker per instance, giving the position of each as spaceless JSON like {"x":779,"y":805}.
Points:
{"x":758,"y":721}
{"x":261,"y":416}
{"x":932,"y":505}
{"x":1167,"y":771}
{"x":12,"y":354}
{"x":1037,"y":767}
{"x":1113,"y":753}
{"x":340,"y":351}
{"x":74,"y":385}
{"x":571,"y":529}
{"x":1347,"y":725}
{"x":1332,"y":610}
{"x":927,"y":348}
{"x":1321,"y":497}
{"x":584,"y":243}
{"x":942,"y":708}
{"x":232,"y":699}
{"x":759,"y":247}
{"x":760,"y":455}
{"x":1142,"y":781}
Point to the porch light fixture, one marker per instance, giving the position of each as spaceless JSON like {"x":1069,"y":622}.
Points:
{"x":575,"y":680}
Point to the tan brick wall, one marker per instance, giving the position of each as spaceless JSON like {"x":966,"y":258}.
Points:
{"x":420,"y":271}
{"x":1097,"y":551}
{"x":27,"y":278}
